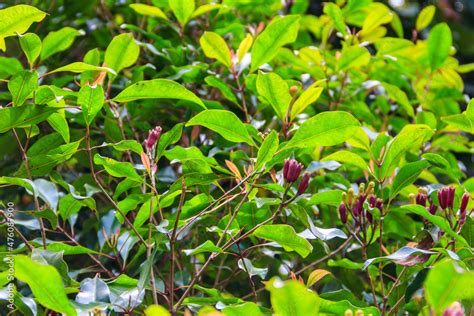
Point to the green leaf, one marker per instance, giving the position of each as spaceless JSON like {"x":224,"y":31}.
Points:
{"x":340,"y":307}
{"x":329,"y":197}
{"x":157,"y":89}
{"x":79,"y":67}
{"x":68,"y":250}
{"x":58,"y":41}
{"x":281,"y":31}
{"x":397,"y":94}
{"x":292,"y":298}
{"x":348,"y":157}
{"x":23,"y":116}
{"x":31,"y":45}
{"x":411,"y":136}
{"x":309,"y":96}
{"x":463,"y":121}
{"x":206,"y":8}
{"x":148,"y":10}
{"x":285,"y":236}
{"x":207,"y":246}
{"x":407,"y":175}
{"x":45,"y":283}
{"x":91,"y":100}
{"x":223,"y":87}
{"x":245,"y":309}
{"x":59,"y":123}
{"x":225,"y":123}
{"x":17,"y":20}
{"x":116,"y":168}
{"x":275,"y":91}
{"x":267,"y":149}
{"x":325,"y":129}
{"x":22,"y":85}
{"x":156,"y":310}
{"x":439,"y":45}
{"x":425,"y":17}
{"x":182,"y":9}
{"x":315,"y":276}
{"x":353,"y":57}
{"x":214,"y":46}
{"x":9,"y":66}
{"x":435,"y":219}
{"x":122,"y":52}
{"x":169,"y":138}
{"x":379,"y":14}
{"x":447,"y":282}
{"x":335,"y":14}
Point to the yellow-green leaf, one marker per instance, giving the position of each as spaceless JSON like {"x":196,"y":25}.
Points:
{"x":214,"y":46}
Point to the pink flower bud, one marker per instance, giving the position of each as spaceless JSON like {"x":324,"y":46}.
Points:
{"x":421,"y":199}
{"x":432,"y":208}
{"x":304,"y":183}
{"x":450,"y":196}
{"x":464,"y":201}
{"x":153,"y":136}
{"x":291,"y":170}
{"x":454,"y":309}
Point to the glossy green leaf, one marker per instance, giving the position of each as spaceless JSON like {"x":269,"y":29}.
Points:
{"x":207,"y":246}
{"x":275,"y":91}
{"x":22,"y":85}
{"x":214,"y":46}
{"x":281,"y":31}
{"x":379,"y":14}
{"x":182,"y":9}
{"x":59,"y":123}
{"x":157,"y":89}
{"x":58,"y":41}
{"x":156,"y":310}
{"x":309,"y":96}
{"x":292,"y":298}
{"x":325,"y":129}
{"x":225,"y":123}
{"x":411,"y":136}
{"x":45,"y":283}
{"x":17,"y":20}
{"x":244,"y":309}
{"x":285,"y":236}
{"x":148,"y":10}
{"x":79,"y":67}
{"x":439,"y":45}
{"x":425,"y":17}
{"x":348,"y":157}
{"x":407,"y":175}
{"x":31,"y":45}
{"x":117,"y":169}
{"x":122,"y":52}
{"x":353,"y":57}
{"x":91,"y":100}
{"x":267,"y":149}
{"x":446,"y":282}
{"x":463,"y":121}
{"x":335,"y":14}
{"x":23,"y":116}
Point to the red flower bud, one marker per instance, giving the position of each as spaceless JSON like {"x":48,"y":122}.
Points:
{"x":421,"y":199}
{"x":454,"y":309}
{"x":442,"y":198}
{"x":343,"y":213}
{"x":369,"y":217}
{"x":291,"y":170}
{"x":432,"y":208}
{"x":153,"y":136}
{"x":379,"y":204}
{"x":372,"y":201}
{"x":304,"y":183}
{"x":464,"y":201}
{"x":450,"y":196}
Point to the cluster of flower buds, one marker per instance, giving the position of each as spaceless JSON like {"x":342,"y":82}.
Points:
{"x":358,"y":312}
{"x":291,"y":173}
{"x":355,"y":204}
{"x":152,"y":140}
{"x":446,"y":197}
{"x":421,"y":198}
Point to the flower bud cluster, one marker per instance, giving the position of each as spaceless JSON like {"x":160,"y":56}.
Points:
{"x":356,"y":205}
{"x":291,"y":173}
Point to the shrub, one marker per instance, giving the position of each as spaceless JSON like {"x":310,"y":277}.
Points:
{"x":244,"y":158}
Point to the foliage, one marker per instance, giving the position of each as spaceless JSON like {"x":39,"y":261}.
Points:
{"x":234,"y":158}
